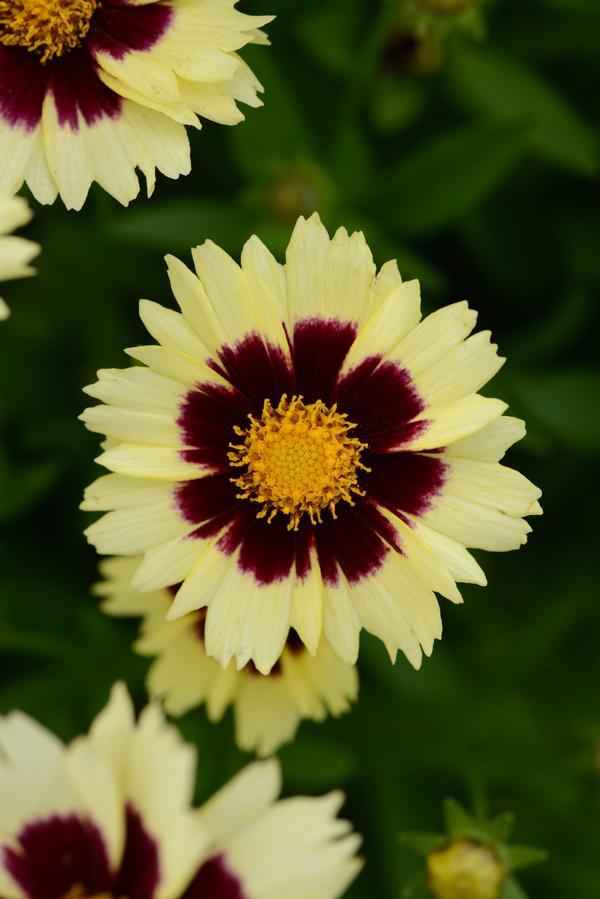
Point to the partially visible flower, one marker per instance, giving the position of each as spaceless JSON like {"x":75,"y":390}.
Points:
{"x":91,"y":90}
{"x":463,"y":869}
{"x":472,"y":859}
{"x":15,"y":252}
{"x":304,"y":452}
{"x":267,"y":708}
{"x":110,"y":816}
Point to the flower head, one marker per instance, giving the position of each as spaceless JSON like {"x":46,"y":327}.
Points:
{"x":15,"y":252}
{"x":302,"y":451}
{"x":267,"y":708}
{"x":91,"y":90}
{"x":110,"y":816}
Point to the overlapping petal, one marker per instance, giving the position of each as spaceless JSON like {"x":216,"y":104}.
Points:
{"x":16,"y":253}
{"x":267,"y":708}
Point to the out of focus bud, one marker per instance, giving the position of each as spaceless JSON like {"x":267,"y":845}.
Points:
{"x":413,"y":51}
{"x":473,"y":859}
{"x":292,"y":195}
{"x":463,"y":869}
{"x":297,"y":191}
{"x":447,"y":6}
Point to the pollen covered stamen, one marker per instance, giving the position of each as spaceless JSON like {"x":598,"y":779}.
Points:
{"x":77,"y":891}
{"x":46,"y":27}
{"x":299,"y":459}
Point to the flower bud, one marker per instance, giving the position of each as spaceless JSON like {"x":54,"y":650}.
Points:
{"x":463,"y":869}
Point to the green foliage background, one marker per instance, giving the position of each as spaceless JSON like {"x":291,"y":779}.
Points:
{"x":482,"y":179}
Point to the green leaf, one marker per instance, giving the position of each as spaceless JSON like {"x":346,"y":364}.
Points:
{"x":446,"y":177}
{"x":23,"y":486}
{"x":422,"y":842}
{"x":524,"y":856}
{"x":397,"y":104}
{"x":331,"y":33}
{"x":456,"y":818}
{"x":504,"y":89}
{"x":313,"y":762}
{"x":512,"y":890}
{"x":564,"y":402}
{"x":177,"y":225}
{"x":277,"y":132}
{"x":500,"y":827}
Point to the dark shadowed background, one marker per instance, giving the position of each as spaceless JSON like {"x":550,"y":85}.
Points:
{"x":467,"y":147}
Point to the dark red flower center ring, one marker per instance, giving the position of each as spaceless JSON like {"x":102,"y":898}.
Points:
{"x":304,"y":455}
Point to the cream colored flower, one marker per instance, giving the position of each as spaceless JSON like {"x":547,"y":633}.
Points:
{"x":92,"y":90}
{"x":267,"y":708}
{"x":15,"y":252}
{"x":110,"y":816}
{"x":302,"y":451}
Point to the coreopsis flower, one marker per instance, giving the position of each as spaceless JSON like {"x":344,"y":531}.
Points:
{"x":15,"y":252}
{"x":302,"y":451}
{"x":110,"y":816}
{"x":267,"y":708}
{"x":91,"y":90}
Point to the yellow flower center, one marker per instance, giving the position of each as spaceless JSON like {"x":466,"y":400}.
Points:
{"x":465,"y":870}
{"x":299,"y":459}
{"x":77,"y":891}
{"x":46,"y":27}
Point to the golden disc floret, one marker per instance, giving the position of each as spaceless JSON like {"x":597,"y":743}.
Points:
{"x":77,"y":891}
{"x":46,"y":27}
{"x":299,"y":459}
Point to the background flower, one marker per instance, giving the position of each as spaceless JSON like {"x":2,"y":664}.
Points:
{"x":92,"y":91}
{"x":111,"y":815}
{"x":303,"y":451}
{"x":15,"y":252}
{"x":267,"y":709}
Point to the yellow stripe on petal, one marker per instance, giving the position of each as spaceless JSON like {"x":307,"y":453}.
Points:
{"x":307,"y":606}
{"x":137,"y":388}
{"x":140,"y":461}
{"x":341,"y":623}
{"x":461,"y":371}
{"x":115,"y":491}
{"x":491,"y":442}
{"x":132,"y":425}
{"x":131,"y":531}
{"x":167,"y":564}
{"x":476,"y":526}
{"x":246,"y":620}
{"x":444,"y":426}
{"x":396,"y":316}
{"x":459,"y":561}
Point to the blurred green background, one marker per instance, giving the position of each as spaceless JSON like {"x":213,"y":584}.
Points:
{"x":465,"y":145}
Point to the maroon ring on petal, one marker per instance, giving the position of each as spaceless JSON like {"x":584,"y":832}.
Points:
{"x":214,"y":880}
{"x":73,"y":80}
{"x":62,"y":853}
{"x":378,"y":396}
